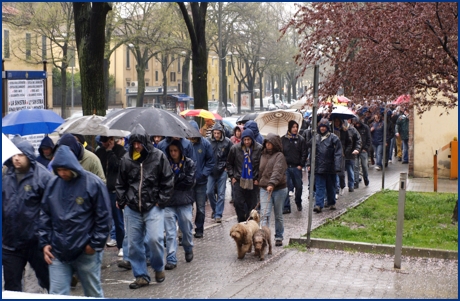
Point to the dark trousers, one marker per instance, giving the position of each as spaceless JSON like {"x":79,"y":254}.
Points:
{"x":245,"y":200}
{"x":14,"y":263}
{"x":117,"y":215}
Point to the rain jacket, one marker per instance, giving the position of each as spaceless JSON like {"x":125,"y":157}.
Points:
{"x":183,"y":182}
{"x":75,"y":213}
{"x":365,"y":134}
{"x":186,"y":146}
{"x":46,"y":142}
{"x":252,"y":125}
{"x":220,"y":149}
{"x":328,"y":158}
{"x":140,"y":186}
{"x":235,"y":157}
{"x":204,"y":158}
{"x":21,"y":201}
{"x":402,"y":127}
{"x":294,"y":150}
{"x":272,"y":170}
{"x":355,"y":139}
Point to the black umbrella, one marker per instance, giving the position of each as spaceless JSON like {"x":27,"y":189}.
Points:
{"x":156,"y":122}
{"x":247,"y":117}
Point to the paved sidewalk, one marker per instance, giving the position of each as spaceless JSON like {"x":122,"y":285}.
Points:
{"x":215,"y":271}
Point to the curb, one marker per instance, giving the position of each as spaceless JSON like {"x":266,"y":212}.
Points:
{"x":374,"y":248}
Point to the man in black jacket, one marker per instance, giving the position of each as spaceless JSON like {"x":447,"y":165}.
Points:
{"x":328,"y":162}
{"x":110,"y":155}
{"x":295,"y":152}
{"x":144,"y":186}
{"x":362,"y":158}
{"x":220,"y":147}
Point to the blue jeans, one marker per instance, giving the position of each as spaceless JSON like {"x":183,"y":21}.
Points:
{"x":183,"y":216}
{"x":295,"y":175}
{"x":361,"y":160}
{"x":118,"y":222}
{"x":221,"y":181}
{"x":149,"y":226}
{"x":88,"y":269}
{"x":378,"y":148}
{"x":349,"y":167}
{"x":125,"y":246}
{"x":405,"y":150}
{"x":392,"y":148}
{"x":277,"y":201}
{"x":200,"y":200}
{"x":325,"y":187}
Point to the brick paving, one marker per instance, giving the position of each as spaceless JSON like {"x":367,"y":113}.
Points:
{"x":215,"y":272}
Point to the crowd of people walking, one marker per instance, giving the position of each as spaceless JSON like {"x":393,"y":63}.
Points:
{"x":62,"y":208}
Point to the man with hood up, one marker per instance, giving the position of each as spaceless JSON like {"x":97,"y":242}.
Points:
{"x":295,"y":152}
{"x":144,"y":187}
{"x":252,"y":125}
{"x":46,"y":151}
{"x":328,"y":162}
{"x":75,"y":221}
{"x":23,"y":185}
{"x":220,"y":147}
{"x":205,"y":162}
{"x":243,"y":169}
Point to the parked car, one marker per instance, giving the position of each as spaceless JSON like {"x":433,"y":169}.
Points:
{"x":231,"y":108}
{"x":213,"y":107}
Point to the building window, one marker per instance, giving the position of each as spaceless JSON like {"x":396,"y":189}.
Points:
{"x":28,"y":46}
{"x":156,"y":76}
{"x":6,"y":44}
{"x":146,"y":84}
{"x":178,"y":87}
{"x":43,"y":48}
{"x":229,"y":68}
{"x":128,"y":62}
{"x":172,"y":76}
{"x":178,"y":65}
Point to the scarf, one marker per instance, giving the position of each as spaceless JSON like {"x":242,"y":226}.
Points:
{"x":136,"y":155}
{"x":290,"y":136}
{"x":176,"y":167}
{"x":246,"y":181}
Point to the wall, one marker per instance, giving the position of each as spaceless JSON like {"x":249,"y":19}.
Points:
{"x":432,"y":132}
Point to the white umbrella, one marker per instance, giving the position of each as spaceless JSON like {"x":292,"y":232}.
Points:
{"x":8,"y":149}
{"x":276,"y":122}
{"x":300,"y":105}
{"x":342,"y":113}
{"x":89,"y":125}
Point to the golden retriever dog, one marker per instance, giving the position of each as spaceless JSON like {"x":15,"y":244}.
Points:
{"x":242,"y":234}
{"x":260,"y":240}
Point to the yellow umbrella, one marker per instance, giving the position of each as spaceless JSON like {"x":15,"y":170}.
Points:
{"x":201,"y":113}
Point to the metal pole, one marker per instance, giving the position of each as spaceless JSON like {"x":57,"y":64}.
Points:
{"x":221,"y":97}
{"x":46,"y":85}
{"x":435,"y":171}
{"x":313,"y":151}
{"x":400,"y":219}
{"x":384,"y":146}
{"x":72,"y":90}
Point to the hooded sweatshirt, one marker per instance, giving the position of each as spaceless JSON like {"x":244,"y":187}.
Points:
{"x":252,"y":125}
{"x":204,"y":157}
{"x":46,"y":142}
{"x":220,"y":149}
{"x":235,"y":157}
{"x":235,"y":139}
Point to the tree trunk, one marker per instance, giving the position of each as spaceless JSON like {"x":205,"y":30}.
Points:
{"x":106,"y":83}
{"x":185,"y":75}
{"x":261,"y":75}
{"x":272,"y":77}
{"x":455,"y":215}
{"x":90,"y":20}
{"x":64,"y":90}
{"x":140,"y":69}
{"x":239,"y":97}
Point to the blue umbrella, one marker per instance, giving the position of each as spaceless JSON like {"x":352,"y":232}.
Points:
{"x":30,"y":122}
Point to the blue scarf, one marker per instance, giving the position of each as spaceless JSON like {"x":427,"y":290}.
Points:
{"x":176,"y":167}
{"x":246,"y":180}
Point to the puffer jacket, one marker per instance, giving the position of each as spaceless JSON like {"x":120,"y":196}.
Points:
{"x":235,"y":157}
{"x":184,"y":182}
{"x":21,"y":201}
{"x":220,"y":150}
{"x":252,"y":125}
{"x":204,"y":158}
{"x":140,"y":186}
{"x":75,"y":213}
{"x":328,"y":158}
{"x":46,"y":142}
{"x":272,"y":170}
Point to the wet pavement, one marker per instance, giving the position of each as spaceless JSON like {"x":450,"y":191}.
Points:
{"x":215,"y":271}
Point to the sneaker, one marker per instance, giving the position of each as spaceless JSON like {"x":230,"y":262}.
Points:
{"x":170,"y":266}
{"x":317,"y":209}
{"x":336,"y":196}
{"x":278,"y":243}
{"x":341,"y":191}
{"x":351,"y":189}
{"x":356,"y":186}
{"x":378,"y":167}
{"x":198,"y":235}
{"x":291,"y":193}
{"x":213,"y":214}
{"x":332,"y":207}
{"x":124,"y":264}
{"x":366,"y":182}
{"x":120,"y":253}
{"x":189,"y":256}
{"x":286,"y":211}
{"x":326,"y":205}
{"x":111,"y":243}
{"x":219,"y":220}
{"x":160,"y":276}
{"x":138,"y":283}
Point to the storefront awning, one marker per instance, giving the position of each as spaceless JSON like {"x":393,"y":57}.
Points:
{"x":183,"y":97}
